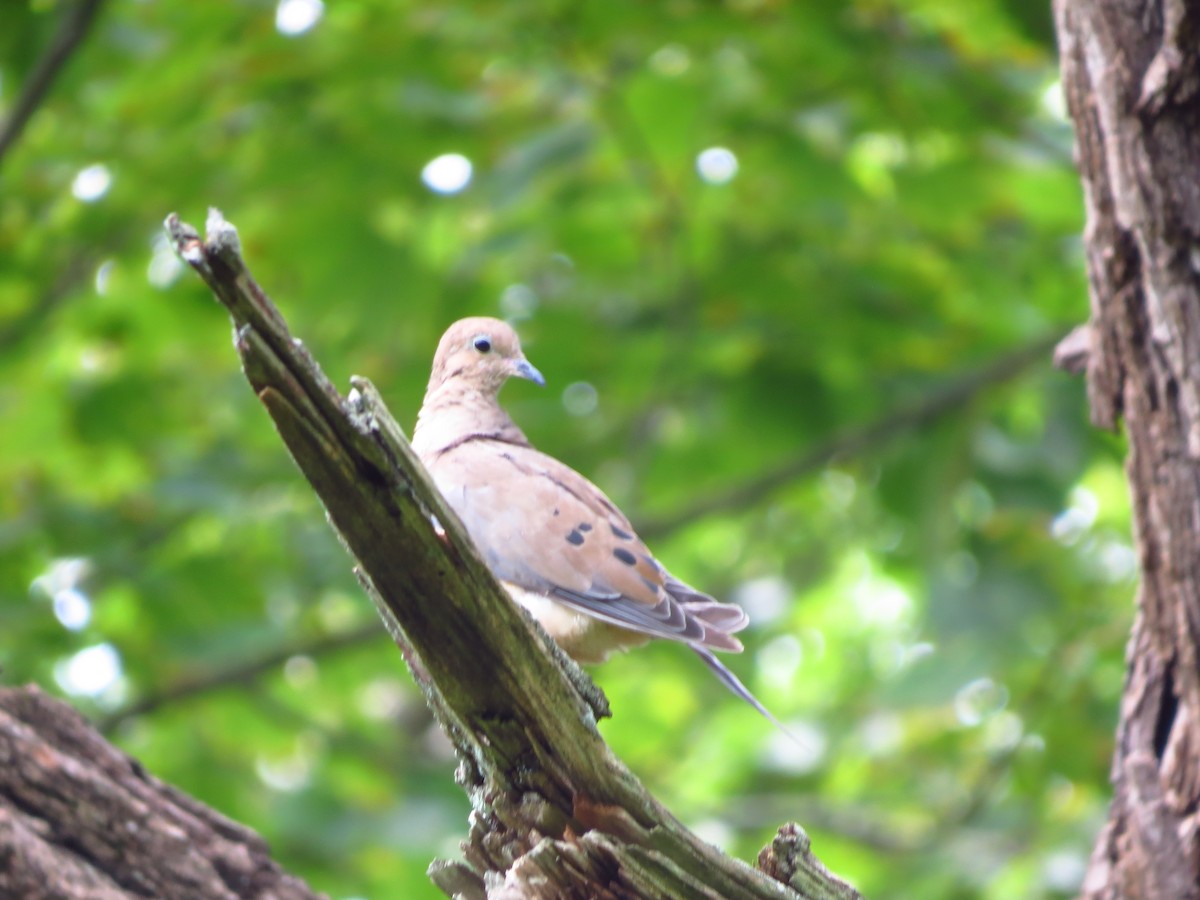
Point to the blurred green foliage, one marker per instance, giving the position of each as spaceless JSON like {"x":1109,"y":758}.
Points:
{"x":940,"y":614}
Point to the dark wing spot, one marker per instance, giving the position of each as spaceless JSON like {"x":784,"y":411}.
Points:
{"x":625,"y":556}
{"x":623,"y":535}
{"x":584,"y":527}
{"x":575,"y":538}
{"x":556,"y":512}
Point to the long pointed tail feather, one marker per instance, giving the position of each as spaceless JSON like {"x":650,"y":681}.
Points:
{"x":734,"y":684}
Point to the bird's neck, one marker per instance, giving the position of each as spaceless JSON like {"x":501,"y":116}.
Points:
{"x":452,"y":414}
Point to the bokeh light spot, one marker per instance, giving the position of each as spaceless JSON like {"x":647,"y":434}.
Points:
{"x":580,"y":399}
{"x":518,"y":302}
{"x":293,"y":17}
{"x":164,"y":266}
{"x":92,"y":183}
{"x":449,"y":173}
{"x":72,"y":609}
{"x":716,"y":165}
{"x":90,"y":672}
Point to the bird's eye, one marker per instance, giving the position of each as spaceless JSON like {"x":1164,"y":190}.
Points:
{"x":482,"y":344}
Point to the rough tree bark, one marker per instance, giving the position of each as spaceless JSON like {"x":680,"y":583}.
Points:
{"x":1131,"y":73}
{"x":80,"y":819}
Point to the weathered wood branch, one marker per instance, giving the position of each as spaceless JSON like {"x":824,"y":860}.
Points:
{"x":555,"y":813}
{"x":1132,"y":80}
{"x":79,"y":819}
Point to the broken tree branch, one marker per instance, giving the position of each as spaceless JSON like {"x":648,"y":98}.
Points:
{"x":555,"y":813}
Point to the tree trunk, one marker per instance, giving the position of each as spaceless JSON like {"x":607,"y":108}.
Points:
{"x":1130,"y":73}
{"x":80,"y":819}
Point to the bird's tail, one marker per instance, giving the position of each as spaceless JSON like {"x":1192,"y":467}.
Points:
{"x":734,"y":684}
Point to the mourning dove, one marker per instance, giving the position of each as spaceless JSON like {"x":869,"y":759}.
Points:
{"x":559,"y":546}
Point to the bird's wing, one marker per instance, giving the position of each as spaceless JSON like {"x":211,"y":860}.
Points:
{"x":545,"y":528}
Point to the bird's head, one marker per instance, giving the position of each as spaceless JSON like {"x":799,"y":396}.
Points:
{"x":481,"y":353}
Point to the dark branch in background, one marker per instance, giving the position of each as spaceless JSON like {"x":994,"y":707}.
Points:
{"x":239,"y":673}
{"x":26,"y":322}
{"x":856,"y":441}
{"x":404,"y":752}
{"x":554,"y":812}
{"x":872,"y":828}
{"x":73,"y":29}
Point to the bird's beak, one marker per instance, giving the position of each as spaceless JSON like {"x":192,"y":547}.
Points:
{"x":523,"y":368}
